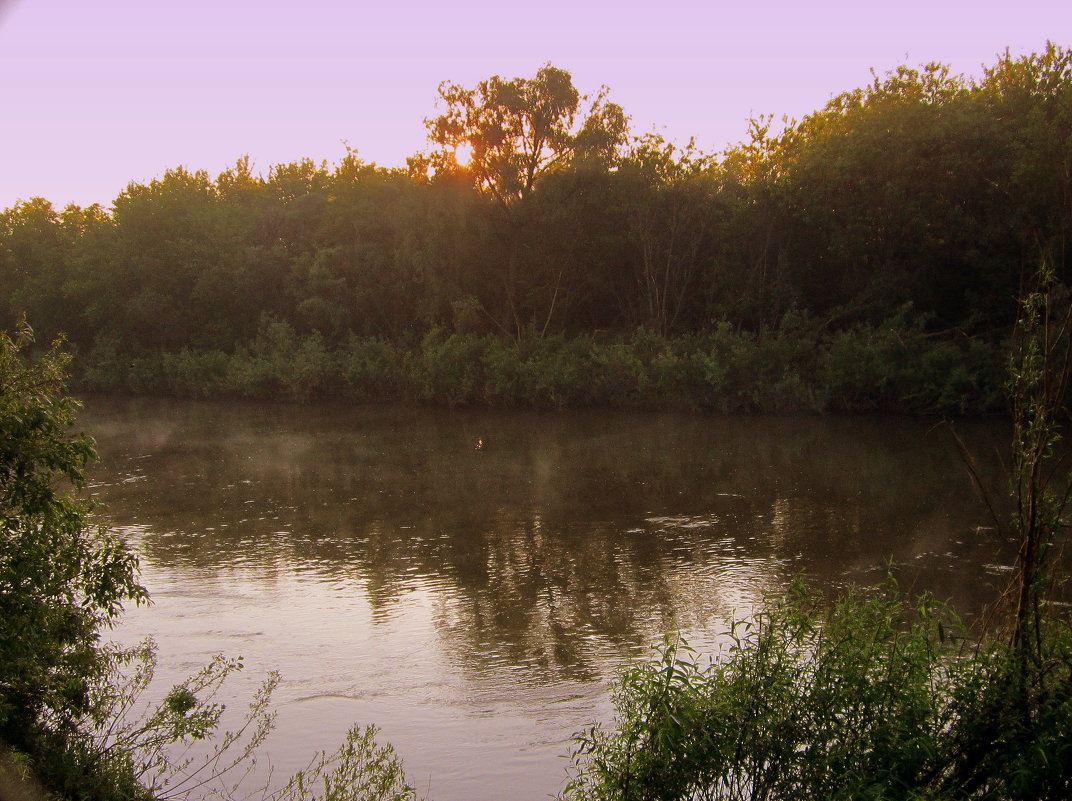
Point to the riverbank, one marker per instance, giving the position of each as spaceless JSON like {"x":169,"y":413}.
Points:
{"x":801,"y":367}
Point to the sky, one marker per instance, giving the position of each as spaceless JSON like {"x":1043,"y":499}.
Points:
{"x":95,"y":94}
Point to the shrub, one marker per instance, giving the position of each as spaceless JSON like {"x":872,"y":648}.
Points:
{"x":372,"y":369}
{"x":873,"y":697}
{"x":62,"y":580}
{"x":449,"y":369}
{"x":799,"y":366}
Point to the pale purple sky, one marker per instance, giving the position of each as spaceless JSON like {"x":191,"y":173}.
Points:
{"x":98,"y":93}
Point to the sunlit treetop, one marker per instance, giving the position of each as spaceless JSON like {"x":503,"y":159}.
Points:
{"x":504,"y":135}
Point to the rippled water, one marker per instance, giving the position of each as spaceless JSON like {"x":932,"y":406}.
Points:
{"x":475,"y":603}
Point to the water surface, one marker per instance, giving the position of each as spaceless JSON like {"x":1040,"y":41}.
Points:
{"x":476,"y":602}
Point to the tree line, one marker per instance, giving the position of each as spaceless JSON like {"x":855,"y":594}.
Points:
{"x":916,"y":204}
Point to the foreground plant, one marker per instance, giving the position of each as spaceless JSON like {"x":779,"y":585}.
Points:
{"x":62,"y":580}
{"x":175,"y":749}
{"x":872,"y":697}
{"x":72,"y":712}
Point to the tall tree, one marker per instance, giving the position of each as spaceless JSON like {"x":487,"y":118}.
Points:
{"x":669,"y":225}
{"x":507,"y":134}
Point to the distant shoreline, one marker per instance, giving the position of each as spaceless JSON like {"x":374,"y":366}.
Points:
{"x":886,"y":369}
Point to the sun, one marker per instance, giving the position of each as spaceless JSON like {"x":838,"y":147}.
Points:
{"x":463,"y":154}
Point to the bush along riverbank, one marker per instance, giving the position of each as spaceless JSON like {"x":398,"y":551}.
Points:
{"x":876,"y":695}
{"x":896,"y":366}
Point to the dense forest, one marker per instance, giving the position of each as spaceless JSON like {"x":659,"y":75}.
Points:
{"x":869,"y":256}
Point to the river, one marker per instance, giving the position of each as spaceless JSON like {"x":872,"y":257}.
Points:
{"x":471,"y":581}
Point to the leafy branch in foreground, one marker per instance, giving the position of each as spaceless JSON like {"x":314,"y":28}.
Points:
{"x":174,"y":749}
{"x":62,"y":580}
{"x":170,"y":748}
{"x":360,"y":770}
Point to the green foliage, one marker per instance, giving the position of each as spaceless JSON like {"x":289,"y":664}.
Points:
{"x":117,"y":750}
{"x":360,"y":770}
{"x":62,"y":579}
{"x":1040,"y":373}
{"x":448,"y":369}
{"x":799,"y":366}
{"x":871,"y":697}
{"x":126,"y":748}
{"x":515,"y":131}
{"x":923,"y":189}
{"x":71,"y":709}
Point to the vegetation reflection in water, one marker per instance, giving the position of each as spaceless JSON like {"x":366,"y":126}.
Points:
{"x":475,"y":602}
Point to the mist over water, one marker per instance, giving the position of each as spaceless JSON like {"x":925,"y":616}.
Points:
{"x":475,"y":603}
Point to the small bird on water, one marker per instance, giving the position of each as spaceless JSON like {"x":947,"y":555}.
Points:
{"x":480,"y":444}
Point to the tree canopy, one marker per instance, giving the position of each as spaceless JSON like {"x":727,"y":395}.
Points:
{"x":514,"y":132}
{"x":923,"y":196}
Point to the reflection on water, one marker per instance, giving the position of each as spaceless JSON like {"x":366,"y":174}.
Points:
{"x":475,"y":602}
